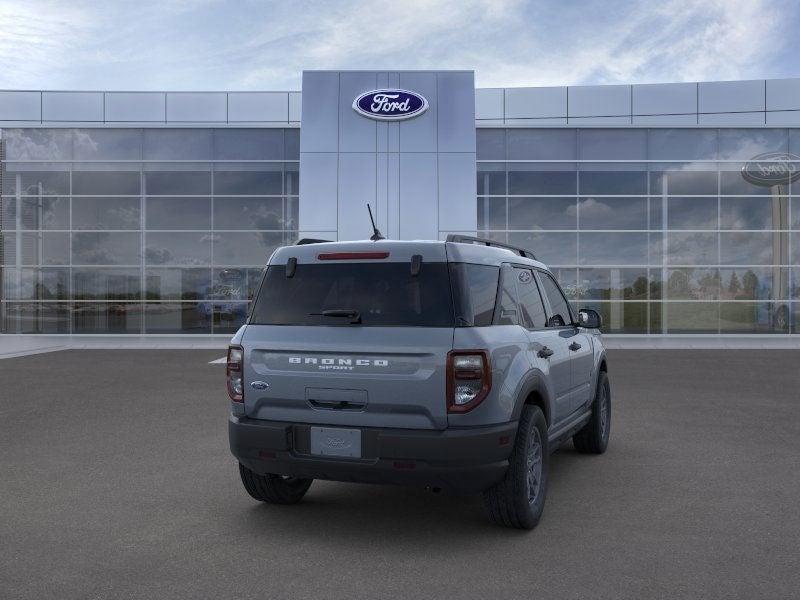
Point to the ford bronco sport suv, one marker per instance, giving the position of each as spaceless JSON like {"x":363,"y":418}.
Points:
{"x":454,"y":365}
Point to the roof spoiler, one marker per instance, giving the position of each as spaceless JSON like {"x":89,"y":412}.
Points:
{"x":467,"y":239}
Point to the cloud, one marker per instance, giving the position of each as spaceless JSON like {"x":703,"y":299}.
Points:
{"x":209,"y":44}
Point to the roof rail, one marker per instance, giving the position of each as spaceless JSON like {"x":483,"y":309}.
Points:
{"x":304,"y":241}
{"x":468,"y":239}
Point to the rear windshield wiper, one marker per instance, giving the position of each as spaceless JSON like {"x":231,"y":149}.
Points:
{"x":353,"y":315}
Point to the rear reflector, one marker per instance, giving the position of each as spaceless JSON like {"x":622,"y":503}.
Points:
{"x":352,"y":255}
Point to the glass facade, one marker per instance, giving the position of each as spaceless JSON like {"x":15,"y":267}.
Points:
{"x":141,"y":230}
{"x":166,"y":230}
{"x":656,"y":229}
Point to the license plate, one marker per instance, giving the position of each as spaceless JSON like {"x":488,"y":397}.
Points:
{"x":330,"y":441}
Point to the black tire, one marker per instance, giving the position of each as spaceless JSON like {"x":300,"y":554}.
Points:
{"x":510,"y":503}
{"x":593,"y":437}
{"x":274,"y":489}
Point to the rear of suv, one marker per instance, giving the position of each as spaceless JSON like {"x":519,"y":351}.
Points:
{"x":455,"y":365}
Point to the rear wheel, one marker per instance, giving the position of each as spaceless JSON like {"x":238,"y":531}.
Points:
{"x":274,"y":489}
{"x":518,"y":500}
{"x":593,"y":437}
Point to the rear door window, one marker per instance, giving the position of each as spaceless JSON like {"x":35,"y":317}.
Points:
{"x":559,"y":307}
{"x":383,"y":294}
{"x":530,"y":300}
{"x":507,"y":312}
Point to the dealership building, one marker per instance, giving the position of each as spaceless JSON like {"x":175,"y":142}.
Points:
{"x":671,"y":209}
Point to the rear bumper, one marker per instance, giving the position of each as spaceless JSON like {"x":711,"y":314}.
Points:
{"x":461,"y":460}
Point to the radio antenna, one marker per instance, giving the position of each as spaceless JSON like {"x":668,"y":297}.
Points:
{"x":376,"y":234}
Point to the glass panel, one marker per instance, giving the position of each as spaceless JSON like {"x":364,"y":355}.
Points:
{"x":682,"y":183}
{"x":757,"y":248}
{"x":693,"y":284}
{"x":753,"y":317}
{"x":117,"y":183}
{"x":35,"y":182}
{"x":35,"y":284}
{"x":490,"y":144}
{"x":692,"y":248}
{"x":682,"y":144}
{"x":795,"y":218}
{"x":550,"y":248}
{"x":492,"y":213}
{"x":755,"y":283}
{"x":177,"y":183}
{"x":250,"y":183}
{"x":105,"y":213}
{"x":45,"y":248}
{"x":291,"y":179}
{"x":178,"y":213}
{"x":35,"y":317}
{"x":657,"y":212}
{"x":754,"y":213}
{"x":291,"y":144}
{"x":613,"y":248}
{"x":178,"y":248}
{"x":691,"y":317}
{"x":507,"y":312}
{"x":794,"y":289}
{"x":621,"y":317}
{"x":44,"y":212}
{"x":230,"y":284}
{"x":105,"y":248}
{"x":245,"y":248}
{"x":106,"y":284}
{"x":38,"y":144}
{"x":178,"y":144}
{"x":656,"y":284}
{"x":612,"y":182}
{"x":745,"y":144}
{"x":491,"y":179}
{"x":612,"y":144}
{"x":524,"y":180}
{"x":248,"y":213}
{"x":107,"y":144}
{"x":613,"y":284}
{"x":692,"y":213}
{"x":612,"y":213}
{"x":248,"y":144}
{"x":8,"y":248}
{"x":542,"y":213}
{"x":542,"y":144}
{"x":178,"y":317}
{"x":732,"y":182}
{"x":177,"y":284}
{"x":107,"y":317}
{"x":229,"y":317}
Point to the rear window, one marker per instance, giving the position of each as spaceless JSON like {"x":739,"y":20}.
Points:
{"x":384,"y":295}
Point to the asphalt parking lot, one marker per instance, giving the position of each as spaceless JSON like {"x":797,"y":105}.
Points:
{"x":116,"y":482}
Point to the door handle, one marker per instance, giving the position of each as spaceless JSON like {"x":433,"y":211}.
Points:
{"x":545,"y":352}
{"x":574,"y":346}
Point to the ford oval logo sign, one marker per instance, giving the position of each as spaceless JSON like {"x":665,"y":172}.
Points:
{"x":390,"y":105}
{"x":772,"y":168}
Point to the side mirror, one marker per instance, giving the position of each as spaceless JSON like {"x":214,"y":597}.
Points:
{"x":589,"y":318}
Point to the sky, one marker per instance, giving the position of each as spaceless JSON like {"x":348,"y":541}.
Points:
{"x":265,"y":45}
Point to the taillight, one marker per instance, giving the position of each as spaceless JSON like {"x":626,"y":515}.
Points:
{"x":234,"y":373}
{"x":469,"y":379}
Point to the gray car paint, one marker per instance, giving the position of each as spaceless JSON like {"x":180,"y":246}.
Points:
{"x":409,"y":392}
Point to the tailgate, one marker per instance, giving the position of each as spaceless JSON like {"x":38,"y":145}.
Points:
{"x":352,"y":376}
